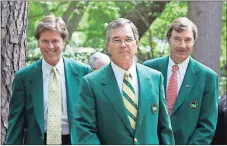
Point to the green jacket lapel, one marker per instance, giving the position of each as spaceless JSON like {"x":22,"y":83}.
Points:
{"x":145,"y":86}
{"x":111,"y":90}
{"x":163,"y":67}
{"x":36,"y":85}
{"x":188,"y":83}
{"x":72,"y":82}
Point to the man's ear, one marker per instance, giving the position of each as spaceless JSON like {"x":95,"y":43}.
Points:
{"x":38,"y":43}
{"x":169,"y":41}
{"x":107,"y":47}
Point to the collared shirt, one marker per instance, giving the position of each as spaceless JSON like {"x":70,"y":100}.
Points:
{"x":46,"y":68}
{"x":119,"y":75}
{"x":180,"y":73}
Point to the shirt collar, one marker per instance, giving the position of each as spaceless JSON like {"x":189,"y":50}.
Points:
{"x":120,"y":72}
{"x":47,"y":67}
{"x":182,"y":66}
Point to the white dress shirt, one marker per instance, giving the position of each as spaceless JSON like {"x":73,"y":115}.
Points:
{"x":119,"y":75}
{"x":180,"y":73}
{"x":46,"y":68}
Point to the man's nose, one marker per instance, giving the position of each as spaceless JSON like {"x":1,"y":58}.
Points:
{"x":50,"y":45}
{"x":123,"y":43}
{"x":182,"y":44}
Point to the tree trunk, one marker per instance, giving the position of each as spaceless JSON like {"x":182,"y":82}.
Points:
{"x":13,"y":43}
{"x":207,"y":17}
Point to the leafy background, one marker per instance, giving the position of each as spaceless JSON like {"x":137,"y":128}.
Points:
{"x":87,"y":21}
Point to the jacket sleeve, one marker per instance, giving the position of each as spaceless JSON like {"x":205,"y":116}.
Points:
{"x":164,"y":125}
{"x":89,"y":70}
{"x":86,"y":115}
{"x":15,"y":132}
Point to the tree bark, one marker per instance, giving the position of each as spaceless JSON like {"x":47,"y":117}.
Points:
{"x":68,"y":12}
{"x":207,"y":17}
{"x":77,"y":14}
{"x":13,"y":43}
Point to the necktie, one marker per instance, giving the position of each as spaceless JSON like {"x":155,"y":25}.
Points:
{"x":54,"y":109}
{"x":129,"y":99}
{"x":172,"y":89}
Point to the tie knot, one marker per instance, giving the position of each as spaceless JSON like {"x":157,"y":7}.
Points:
{"x":127,"y":74}
{"x":54,"y":70}
{"x":175,"y":68}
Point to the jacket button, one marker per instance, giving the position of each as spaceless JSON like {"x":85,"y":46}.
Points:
{"x":135,"y":140}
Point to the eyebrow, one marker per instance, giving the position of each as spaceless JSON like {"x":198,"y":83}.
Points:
{"x":117,"y":37}
{"x":189,"y":38}
{"x":180,"y":37}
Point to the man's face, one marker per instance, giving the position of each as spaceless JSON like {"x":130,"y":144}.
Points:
{"x":122,"y":46}
{"x":181,"y":45}
{"x":51,"y":44}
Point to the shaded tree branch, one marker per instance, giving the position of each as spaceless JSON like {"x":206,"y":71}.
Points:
{"x":69,"y":11}
{"x":45,"y":8}
{"x":143,"y":16}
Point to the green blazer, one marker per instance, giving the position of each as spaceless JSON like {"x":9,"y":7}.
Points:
{"x":195,"y":111}
{"x":101,"y":116}
{"x":26,"y":109}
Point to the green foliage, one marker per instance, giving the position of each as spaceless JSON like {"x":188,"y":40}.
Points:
{"x":223,"y":42}
{"x":96,"y":18}
{"x":96,"y":15}
{"x":223,"y":79}
{"x":154,"y":43}
{"x":35,"y":13}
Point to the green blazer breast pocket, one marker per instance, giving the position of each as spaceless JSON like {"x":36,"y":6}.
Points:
{"x":153,"y":107}
{"x":194,"y":101}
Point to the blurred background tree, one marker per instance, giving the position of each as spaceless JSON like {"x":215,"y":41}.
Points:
{"x":87,"y":20}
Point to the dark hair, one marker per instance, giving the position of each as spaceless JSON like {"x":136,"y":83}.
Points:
{"x":52,"y":23}
{"x":180,"y":24}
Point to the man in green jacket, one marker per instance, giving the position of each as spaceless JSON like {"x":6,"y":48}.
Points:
{"x":191,"y":87}
{"x":44,"y":94}
{"x":123,"y":102}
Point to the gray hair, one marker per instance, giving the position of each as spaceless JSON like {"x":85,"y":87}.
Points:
{"x":98,"y":57}
{"x":52,"y":23}
{"x":119,"y":22}
{"x":180,"y":24}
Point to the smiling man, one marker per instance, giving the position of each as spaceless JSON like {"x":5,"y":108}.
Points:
{"x":44,"y":94}
{"x":191,"y":87}
{"x":123,"y":102}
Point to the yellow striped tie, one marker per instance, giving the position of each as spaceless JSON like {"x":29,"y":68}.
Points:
{"x":129,"y":99}
{"x":54,"y":109}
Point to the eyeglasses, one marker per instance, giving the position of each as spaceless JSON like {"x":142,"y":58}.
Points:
{"x":119,"y":42}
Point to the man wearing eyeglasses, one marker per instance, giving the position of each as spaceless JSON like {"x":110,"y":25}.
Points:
{"x":191,"y":87}
{"x":123,"y":102}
